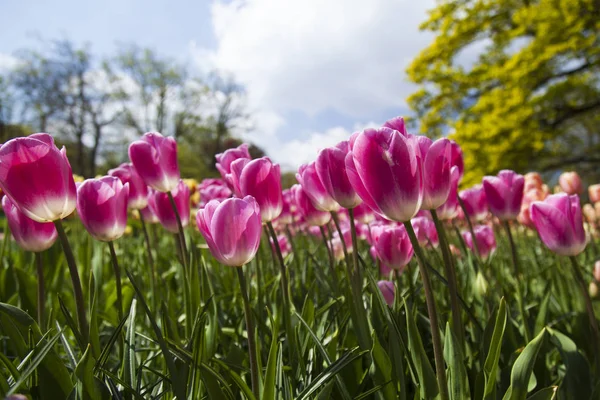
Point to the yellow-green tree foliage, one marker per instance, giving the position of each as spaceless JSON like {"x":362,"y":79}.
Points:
{"x":515,"y":82}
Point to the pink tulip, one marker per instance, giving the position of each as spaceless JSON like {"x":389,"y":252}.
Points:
{"x":364,"y":214}
{"x":148,"y":215}
{"x":312,"y":216}
{"x":392,"y":245}
{"x":331,"y":168}
{"x":388,"y":290}
{"x":486,"y":242}
{"x":475,"y":202}
{"x":138,"y":190}
{"x":289,"y":204}
{"x":425,"y":231}
{"x":29,"y":234}
{"x":232,"y":229}
{"x":436,"y":171}
{"x":450,"y":208}
{"x":225,"y":159}
{"x":456,"y":158}
{"x":155,"y":160}
{"x":559,"y":223}
{"x":260,"y":179}
{"x":396,"y":124}
{"x":594,"y":193}
{"x":504,"y":194}
{"x":384,"y":168}
{"x":213,"y":189}
{"x":284,"y":245}
{"x":37,"y":177}
{"x":597,"y":271}
{"x":338,"y":248}
{"x":102,"y":207}
{"x":161,"y":206}
{"x":570,"y":182}
{"x":314,"y":189}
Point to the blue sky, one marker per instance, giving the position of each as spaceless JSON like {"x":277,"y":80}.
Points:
{"x":314,"y":70}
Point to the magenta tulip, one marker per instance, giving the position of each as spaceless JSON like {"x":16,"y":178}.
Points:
{"x":331,"y":168}
{"x":37,"y":177}
{"x":504,"y":194}
{"x":559,"y":223}
{"x":475,"y":202}
{"x":102,"y":207}
{"x":436,"y":171}
{"x":456,"y":158}
{"x":486,"y":242}
{"x":449,"y":209}
{"x":138,"y":190}
{"x":289,"y":205}
{"x":155,"y":160}
{"x":213,"y":189}
{"x":161,"y":206}
{"x":284,"y":245}
{"x":388,"y":290}
{"x":364,"y":214}
{"x":396,"y":124}
{"x":30,"y":235}
{"x":385,"y":169}
{"x":425,"y":231}
{"x":313,"y":187}
{"x":148,"y":215}
{"x":260,"y":179}
{"x":309,"y":212}
{"x":392,"y":245}
{"x":232,"y":229}
{"x":225,"y":159}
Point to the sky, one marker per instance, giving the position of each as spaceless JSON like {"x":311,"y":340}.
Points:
{"x":315,"y":71}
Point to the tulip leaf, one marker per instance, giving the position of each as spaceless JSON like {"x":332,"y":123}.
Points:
{"x":458,"y":380}
{"x":490,"y":367}
{"x":522,"y":369}
{"x":577,"y":382}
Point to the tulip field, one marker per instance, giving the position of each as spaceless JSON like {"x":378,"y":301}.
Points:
{"x":376,"y":276}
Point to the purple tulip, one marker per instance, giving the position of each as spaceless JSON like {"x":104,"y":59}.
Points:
{"x":37,"y":177}
{"x":388,"y":290}
{"x":504,"y":194}
{"x":385,"y":169}
{"x":396,"y":124}
{"x":559,"y":223}
{"x":138,"y":190}
{"x":102,"y":207}
{"x":29,"y":234}
{"x":155,"y":160}
{"x":232,"y":229}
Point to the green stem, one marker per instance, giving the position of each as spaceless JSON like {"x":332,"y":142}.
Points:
{"x":250,"y":330}
{"x":451,"y":277}
{"x":589,"y":307}
{"x":77,"y":292}
{"x":117,"y":272}
{"x":432,"y":311}
{"x":517,"y":272}
{"x":41,"y":296}
{"x":467,"y":217}
{"x":336,"y":222}
{"x":150,"y":260}
{"x":180,"y":228}
{"x":331,"y":262}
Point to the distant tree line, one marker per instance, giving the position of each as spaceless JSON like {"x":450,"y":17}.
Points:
{"x":97,"y":106}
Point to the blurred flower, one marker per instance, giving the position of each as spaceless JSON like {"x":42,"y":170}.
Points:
{"x":213,"y":189}
{"x":311,"y":215}
{"x":455,"y":251}
{"x":436,"y":171}
{"x":232,"y":229}
{"x":331,"y":169}
{"x":589,"y":212}
{"x":30,"y":235}
{"x":102,"y":207}
{"x":504,"y":194}
{"x":155,"y":160}
{"x":388,"y":290}
{"x":392,"y":245}
{"x":450,"y":208}
{"x":364,"y":214}
{"x":225,"y":159}
{"x":486,"y":242}
{"x":385,"y":169}
{"x":593,"y":289}
{"x":161,"y":206}
{"x":594,"y":193}
{"x":456,"y":159}
{"x":138,"y":190}
{"x":284,"y":245}
{"x":148,"y":215}
{"x":475,"y":202}
{"x":597,"y":270}
{"x":570,"y":182}
{"x":533,"y":194}
{"x":37,"y":177}
{"x":559,"y":223}
{"x":481,"y":285}
{"x":425,"y":231}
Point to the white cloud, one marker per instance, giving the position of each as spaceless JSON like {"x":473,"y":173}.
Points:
{"x":7,"y":62}
{"x":312,"y":56}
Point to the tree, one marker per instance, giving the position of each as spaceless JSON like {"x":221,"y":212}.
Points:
{"x":528,"y":99}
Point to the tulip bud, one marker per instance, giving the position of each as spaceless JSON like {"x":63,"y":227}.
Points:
{"x":570,"y":182}
{"x":161,"y":206}
{"x":37,"y":177}
{"x":155,"y":160}
{"x":331,"y":169}
{"x":396,"y":124}
{"x":30,"y":235}
{"x":232,"y":229}
{"x":388,"y":290}
{"x":138,"y":190}
{"x":481,"y":285}
{"x":504,"y":194}
{"x":559,"y":223}
{"x":385,"y":169}
{"x":102,"y":207}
